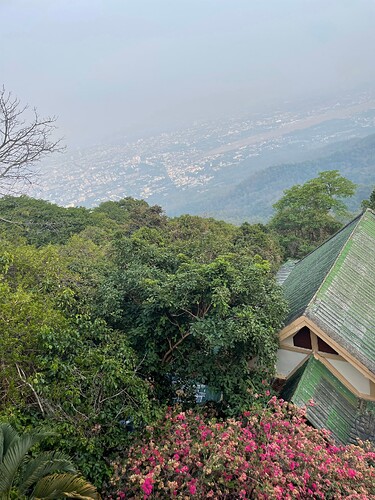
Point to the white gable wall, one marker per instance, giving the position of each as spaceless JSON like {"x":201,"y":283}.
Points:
{"x":287,"y":361}
{"x":352,"y":375}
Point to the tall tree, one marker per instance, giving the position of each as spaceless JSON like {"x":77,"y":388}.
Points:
{"x":194,"y":323}
{"x":307,"y":214}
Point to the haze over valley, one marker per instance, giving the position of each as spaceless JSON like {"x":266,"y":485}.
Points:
{"x":180,"y":103}
{"x":198,"y":169}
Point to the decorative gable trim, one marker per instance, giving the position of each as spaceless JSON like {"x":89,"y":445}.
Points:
{"x":302,"y":321}
{"x":292,"y":328}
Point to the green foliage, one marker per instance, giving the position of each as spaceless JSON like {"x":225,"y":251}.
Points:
{"x":59,"y":364}
{"x":130,"y":214}
{"x":200,"y":238}
{"x":195,"y":322}
{"x":37,"y":222}
{"x":97,"y":371}
{"x":307,"y":215}
{"x":48,"y":475}
{"x":257,"y":239}
{"x":370,"y":203}
{"x":107,"y":315}
{"x":40,"y":222}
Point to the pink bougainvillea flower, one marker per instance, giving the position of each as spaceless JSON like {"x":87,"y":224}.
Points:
{"x":270,"y":454}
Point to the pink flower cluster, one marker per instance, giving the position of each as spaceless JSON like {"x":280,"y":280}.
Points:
{"x":271,"y":454}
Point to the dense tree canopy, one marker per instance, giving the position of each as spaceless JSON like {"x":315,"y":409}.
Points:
{"x":60,"y":364}
{"x":195,"y":322}
{"x":39,"y":222}
{"x":108,"y":314}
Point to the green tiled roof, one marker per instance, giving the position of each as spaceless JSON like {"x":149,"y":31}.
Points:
{"x":308,"y":274}
{"x":334,"y":286}
{"x":335,"y":407}
{"x":285,"y":270}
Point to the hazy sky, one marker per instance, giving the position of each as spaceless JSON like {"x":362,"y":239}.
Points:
{"x":111,"y":66}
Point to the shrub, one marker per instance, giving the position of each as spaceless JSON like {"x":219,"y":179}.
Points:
{"x":266,"y":454}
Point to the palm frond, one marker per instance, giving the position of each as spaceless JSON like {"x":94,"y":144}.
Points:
{"x":43,"y":465}
{"x":15,"y":454}
{"x":7,"y":435}
{"x":64,"y":486}
{"x":12,"y":460}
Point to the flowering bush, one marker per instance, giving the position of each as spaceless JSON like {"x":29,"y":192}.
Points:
{"x":269,"y":454}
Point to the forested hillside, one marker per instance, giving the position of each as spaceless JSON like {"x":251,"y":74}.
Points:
{"x":253,"y":197}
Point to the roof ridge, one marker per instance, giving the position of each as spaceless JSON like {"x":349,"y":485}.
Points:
{"x":358,"y":218}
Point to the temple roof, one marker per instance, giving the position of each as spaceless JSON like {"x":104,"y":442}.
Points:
{"x":334,"y":286}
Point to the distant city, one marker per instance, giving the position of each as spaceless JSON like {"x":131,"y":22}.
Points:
{"x":169,"y":168}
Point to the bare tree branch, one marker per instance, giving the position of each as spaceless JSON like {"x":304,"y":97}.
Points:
{"x":22,"y":377}
{"x":22,"y":144}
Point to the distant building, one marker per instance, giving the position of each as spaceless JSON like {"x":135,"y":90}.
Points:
{"x":327,"y":347}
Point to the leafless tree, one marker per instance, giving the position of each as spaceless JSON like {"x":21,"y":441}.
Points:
{"x":22,"y":143}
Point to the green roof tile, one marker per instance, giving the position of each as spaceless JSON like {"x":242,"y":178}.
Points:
{"x":308,"y":274}
{"x":335,"y":287}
